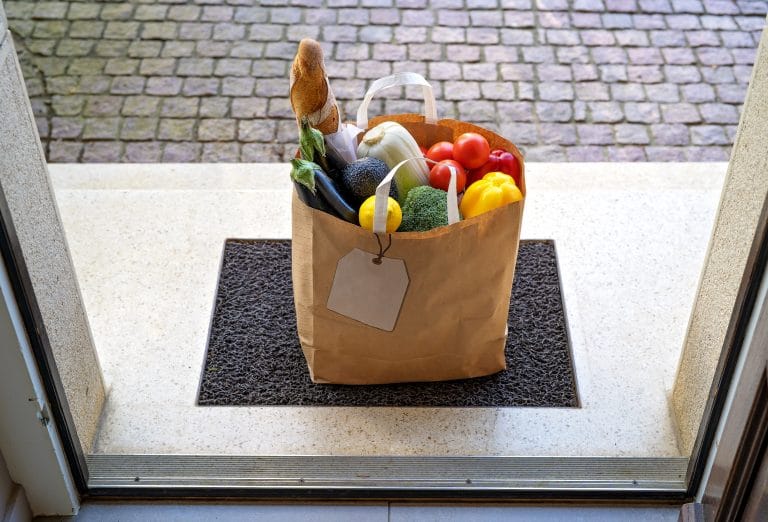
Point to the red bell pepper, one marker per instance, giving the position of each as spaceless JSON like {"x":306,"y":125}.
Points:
{"x":499,"y":161}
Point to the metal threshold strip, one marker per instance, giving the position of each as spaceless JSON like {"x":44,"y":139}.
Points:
{"x":427,"y":476}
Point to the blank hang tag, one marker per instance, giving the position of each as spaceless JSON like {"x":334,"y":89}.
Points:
{"x":368,"y":292}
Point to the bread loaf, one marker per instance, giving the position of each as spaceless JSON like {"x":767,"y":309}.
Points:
{"x":311,"y":95}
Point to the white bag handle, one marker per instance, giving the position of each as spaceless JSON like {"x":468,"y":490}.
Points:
{"x":382,"y":193}
{"x":396,"y":80}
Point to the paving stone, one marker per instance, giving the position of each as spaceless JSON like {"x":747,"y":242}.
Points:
{"x":605,"y":112}
{"x":182,"y":152}
{"x":256,"y":130}
{"x":645,"y":74}
{"x":217,"y":107}
{"x":631,"y":38}
{"x":719,"y":113}
{"x":144,"y":49}
{"x":67,"y":105}
{"x":121,"y":30}
{"x":140,"y":105}
{"x":612,"y":73}
{"x":221,"y":152}
{"x":151,"y":12}
{"x":135,"y":129}
{"x":164,"y":86}
{"x":678,"y":56}
{"x":743,"y":56}
{"x":584,"y":72}
{"x":127,"y":85}
{"x":554,"y":111}
{"x":194,"y":67}
{"x":228,"y":32}
{"x":66,"y":128}
{"x":142,"y":152}
{"x":557,"y":133}
{"x":626,"y":154}
{"x":731,"y":93}
{"x":709,"y":153}
{"x":672,"y":154}
{"x":680,"y":113}
{"x":77,"y":10}
{"x":642,"y":112}
{"x":157,"y":66}
{"x":592,"y":91}
{"x":102,"y":152}
{"x":627,"y":92}
{"x":74,"y":47}
{"x":688,"y":6}
{"x":117,"y":11}
{"x":595,"y":134}
{"x":49,"y":10}
{"x":111,"y":48}
{"x":649,"y":21}
{"x":176,"y":129}
{"x":554,"y":20}
{"x":246,"y":50}
{"x":609,"y":55}
{"x":200,"y":87}
{"x":682,"y":73}
{"x":217,"y":13}
{"x":180,"y":107}
{"x":698,"y":92}
{"x":585,"y":153}
{"x":101,"y":128}
{"x":176,"y":49}
{"x":708,"y":135}
{"x":668,"y":38}
{"x":195,"y":31}
{"x":715,"y":75}
{"x":216,"y":129}
{"x":64,"y":151}
{"x":103,"y":105}
{"x":632,"y":134}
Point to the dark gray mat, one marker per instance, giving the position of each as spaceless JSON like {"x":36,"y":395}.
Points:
{"x":254,"y":357}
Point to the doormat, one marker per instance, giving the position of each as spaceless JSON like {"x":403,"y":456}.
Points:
{"x":254,"y":357}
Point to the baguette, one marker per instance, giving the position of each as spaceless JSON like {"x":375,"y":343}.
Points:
{"x":311,"y":94}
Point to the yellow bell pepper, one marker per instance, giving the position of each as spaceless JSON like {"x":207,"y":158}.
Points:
{"x":495,"y":190}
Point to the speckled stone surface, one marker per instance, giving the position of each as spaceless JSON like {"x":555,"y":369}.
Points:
{"x":254,"y":356}
{"x":27,"y":190}
{"x":744,"y":196}
{"x":147,"y":240}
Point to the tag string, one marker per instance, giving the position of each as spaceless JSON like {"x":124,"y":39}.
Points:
{"x":377,"y":259}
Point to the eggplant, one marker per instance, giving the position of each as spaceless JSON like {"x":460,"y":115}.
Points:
{"x":312,"y":200}
{"x":334,"y":162}
{"x":330,"y":193}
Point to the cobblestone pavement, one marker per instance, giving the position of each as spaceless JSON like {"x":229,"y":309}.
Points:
{"x":207,"y":80}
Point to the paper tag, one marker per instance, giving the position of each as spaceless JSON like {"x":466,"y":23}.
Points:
{"x":369,"y":292}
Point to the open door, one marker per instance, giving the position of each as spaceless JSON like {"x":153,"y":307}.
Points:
{"x":736,"y":486}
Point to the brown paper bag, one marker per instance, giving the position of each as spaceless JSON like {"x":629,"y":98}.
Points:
{"x":453,"y":319}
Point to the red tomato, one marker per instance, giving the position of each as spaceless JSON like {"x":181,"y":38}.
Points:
{"x":442,"y":150}
{"x":423,"y":150}
{"x":440,"y":175}
{"x":471,"y":150}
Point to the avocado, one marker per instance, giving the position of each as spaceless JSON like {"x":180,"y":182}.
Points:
{"x":360,"y":178}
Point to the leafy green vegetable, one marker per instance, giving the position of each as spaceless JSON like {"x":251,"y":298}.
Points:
{"x":303,"y":171}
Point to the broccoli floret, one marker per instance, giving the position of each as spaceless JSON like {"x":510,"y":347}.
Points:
{"x":425,"y":208}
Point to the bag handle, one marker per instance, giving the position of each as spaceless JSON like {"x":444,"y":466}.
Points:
{"x":382,"y":193}
{"x":396,"y":80}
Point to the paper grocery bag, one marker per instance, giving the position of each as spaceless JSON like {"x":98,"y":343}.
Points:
{"x":452,"y":321}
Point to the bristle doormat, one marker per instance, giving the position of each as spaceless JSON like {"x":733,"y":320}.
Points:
{"x":254,"y":357}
